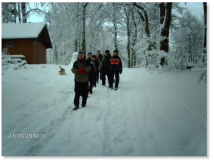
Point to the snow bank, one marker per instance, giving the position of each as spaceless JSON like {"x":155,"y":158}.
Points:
{"x":74,"y":58}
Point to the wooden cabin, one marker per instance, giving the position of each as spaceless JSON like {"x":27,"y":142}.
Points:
{"x":28,"y":39}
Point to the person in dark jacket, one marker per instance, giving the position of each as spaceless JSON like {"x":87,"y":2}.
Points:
{"x":92,"y":73}
{"x":97,"y":67}
{"x":81,"y":69}
{"x":104,"y":67}
{"x":100,"y":57}
{"x":115,"y":68}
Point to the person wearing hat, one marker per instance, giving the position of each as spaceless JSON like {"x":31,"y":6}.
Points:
{"x":115,"y":69}
{"x":81,"y":69}
{"x":96,"y":78}
{"x":92,"y":73}
{"x":104,"y":67}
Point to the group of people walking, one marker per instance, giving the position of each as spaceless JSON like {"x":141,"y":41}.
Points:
{"x":89,"y":70}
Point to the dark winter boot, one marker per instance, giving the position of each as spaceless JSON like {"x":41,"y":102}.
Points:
{"x":76,"y":107}
{"x":83,"y":105}
{"x":115,"y":88}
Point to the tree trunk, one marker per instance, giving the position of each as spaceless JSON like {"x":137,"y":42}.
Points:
{"x":24,"y":16}
{"x":205,"y":29}
{"x":146,"y":62}
{"x":190,"y":55}
{"x":165,"y":20}
{"x":19,"y":11}
{"x":4,"y":12}
{"x":56,"y":57}
{"x":15,"y":12}
{"x":83,"y":33}
{"x":115,"y":26}
{"x":128,"y":35}
{"x":192,"y":52}
{"x":128,"y":45}
{"x":76,"y":49}
{"x":134,"y":40}
{"x":146,"y":20}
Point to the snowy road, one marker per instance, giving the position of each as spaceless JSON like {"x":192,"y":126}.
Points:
{"x":150,"y":115}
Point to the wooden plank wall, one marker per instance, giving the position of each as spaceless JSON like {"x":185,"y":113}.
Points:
{"x":2,"y":44}
{"x":21,"y":46}
{"x":39,"y":53}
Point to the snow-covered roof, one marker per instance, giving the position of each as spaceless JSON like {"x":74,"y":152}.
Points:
{"x":21,"y":30}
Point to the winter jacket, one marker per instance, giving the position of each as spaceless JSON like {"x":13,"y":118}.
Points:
{"x":115,"y":64}
{"x":100,"y":57}
{"x":80,"y":64}
{"x":97,"y":64}
{"x":93,"y":67}
{"x":104,"y":65}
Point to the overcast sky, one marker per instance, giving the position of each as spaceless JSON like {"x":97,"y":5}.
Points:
{"x":196,"y":8}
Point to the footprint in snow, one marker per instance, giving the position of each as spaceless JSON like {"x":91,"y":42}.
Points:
{"x":82,"y":116}
{"x":98,"y":118}
{"x":65,"y":142}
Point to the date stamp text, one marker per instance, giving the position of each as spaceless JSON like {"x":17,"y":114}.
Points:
{"x":22,"y":136}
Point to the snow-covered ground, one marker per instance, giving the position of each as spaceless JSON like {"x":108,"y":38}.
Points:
{"x":151,"y":114}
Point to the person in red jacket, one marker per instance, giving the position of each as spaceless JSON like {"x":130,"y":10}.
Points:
{"x":115,"y":69}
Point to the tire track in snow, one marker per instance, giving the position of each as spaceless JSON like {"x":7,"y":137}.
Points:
{"x":197,"y":116}
{"x":48,"y":132}
{"x":116,"y":141}
{"x":138,"y":113}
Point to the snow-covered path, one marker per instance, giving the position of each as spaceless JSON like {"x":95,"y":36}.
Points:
{"x":151,"y":114}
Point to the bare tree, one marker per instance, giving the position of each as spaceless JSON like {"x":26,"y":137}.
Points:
{"x":144,"y":17}
{"x":84,"y":21}
{"x":127,"y":13}
{"x":134,"y":38}
{"x":165,"y":21}
{"x":23,"y":7}
{"x":205,"y":27}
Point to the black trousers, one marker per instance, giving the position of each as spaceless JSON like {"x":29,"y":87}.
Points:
{"x":104,"y":74}
{"x":78,"y":88}
{"x":94,"y":80}
{"x":112,"y":74}
{"x":114,"y":79}
{"x":90,"y":83}
{"x":97,"y":77}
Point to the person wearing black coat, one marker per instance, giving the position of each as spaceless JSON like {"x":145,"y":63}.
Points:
{"x":97,"y":64}
{"x":92,"y":73}
{"x":104,"y":67}
{"x":100,"y":57}
{"x":115,"y":66}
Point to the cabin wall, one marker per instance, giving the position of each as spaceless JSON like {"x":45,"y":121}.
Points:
{"x":39,"y":53}
{"x":20,"y":46}
{"x":2,"y":44}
